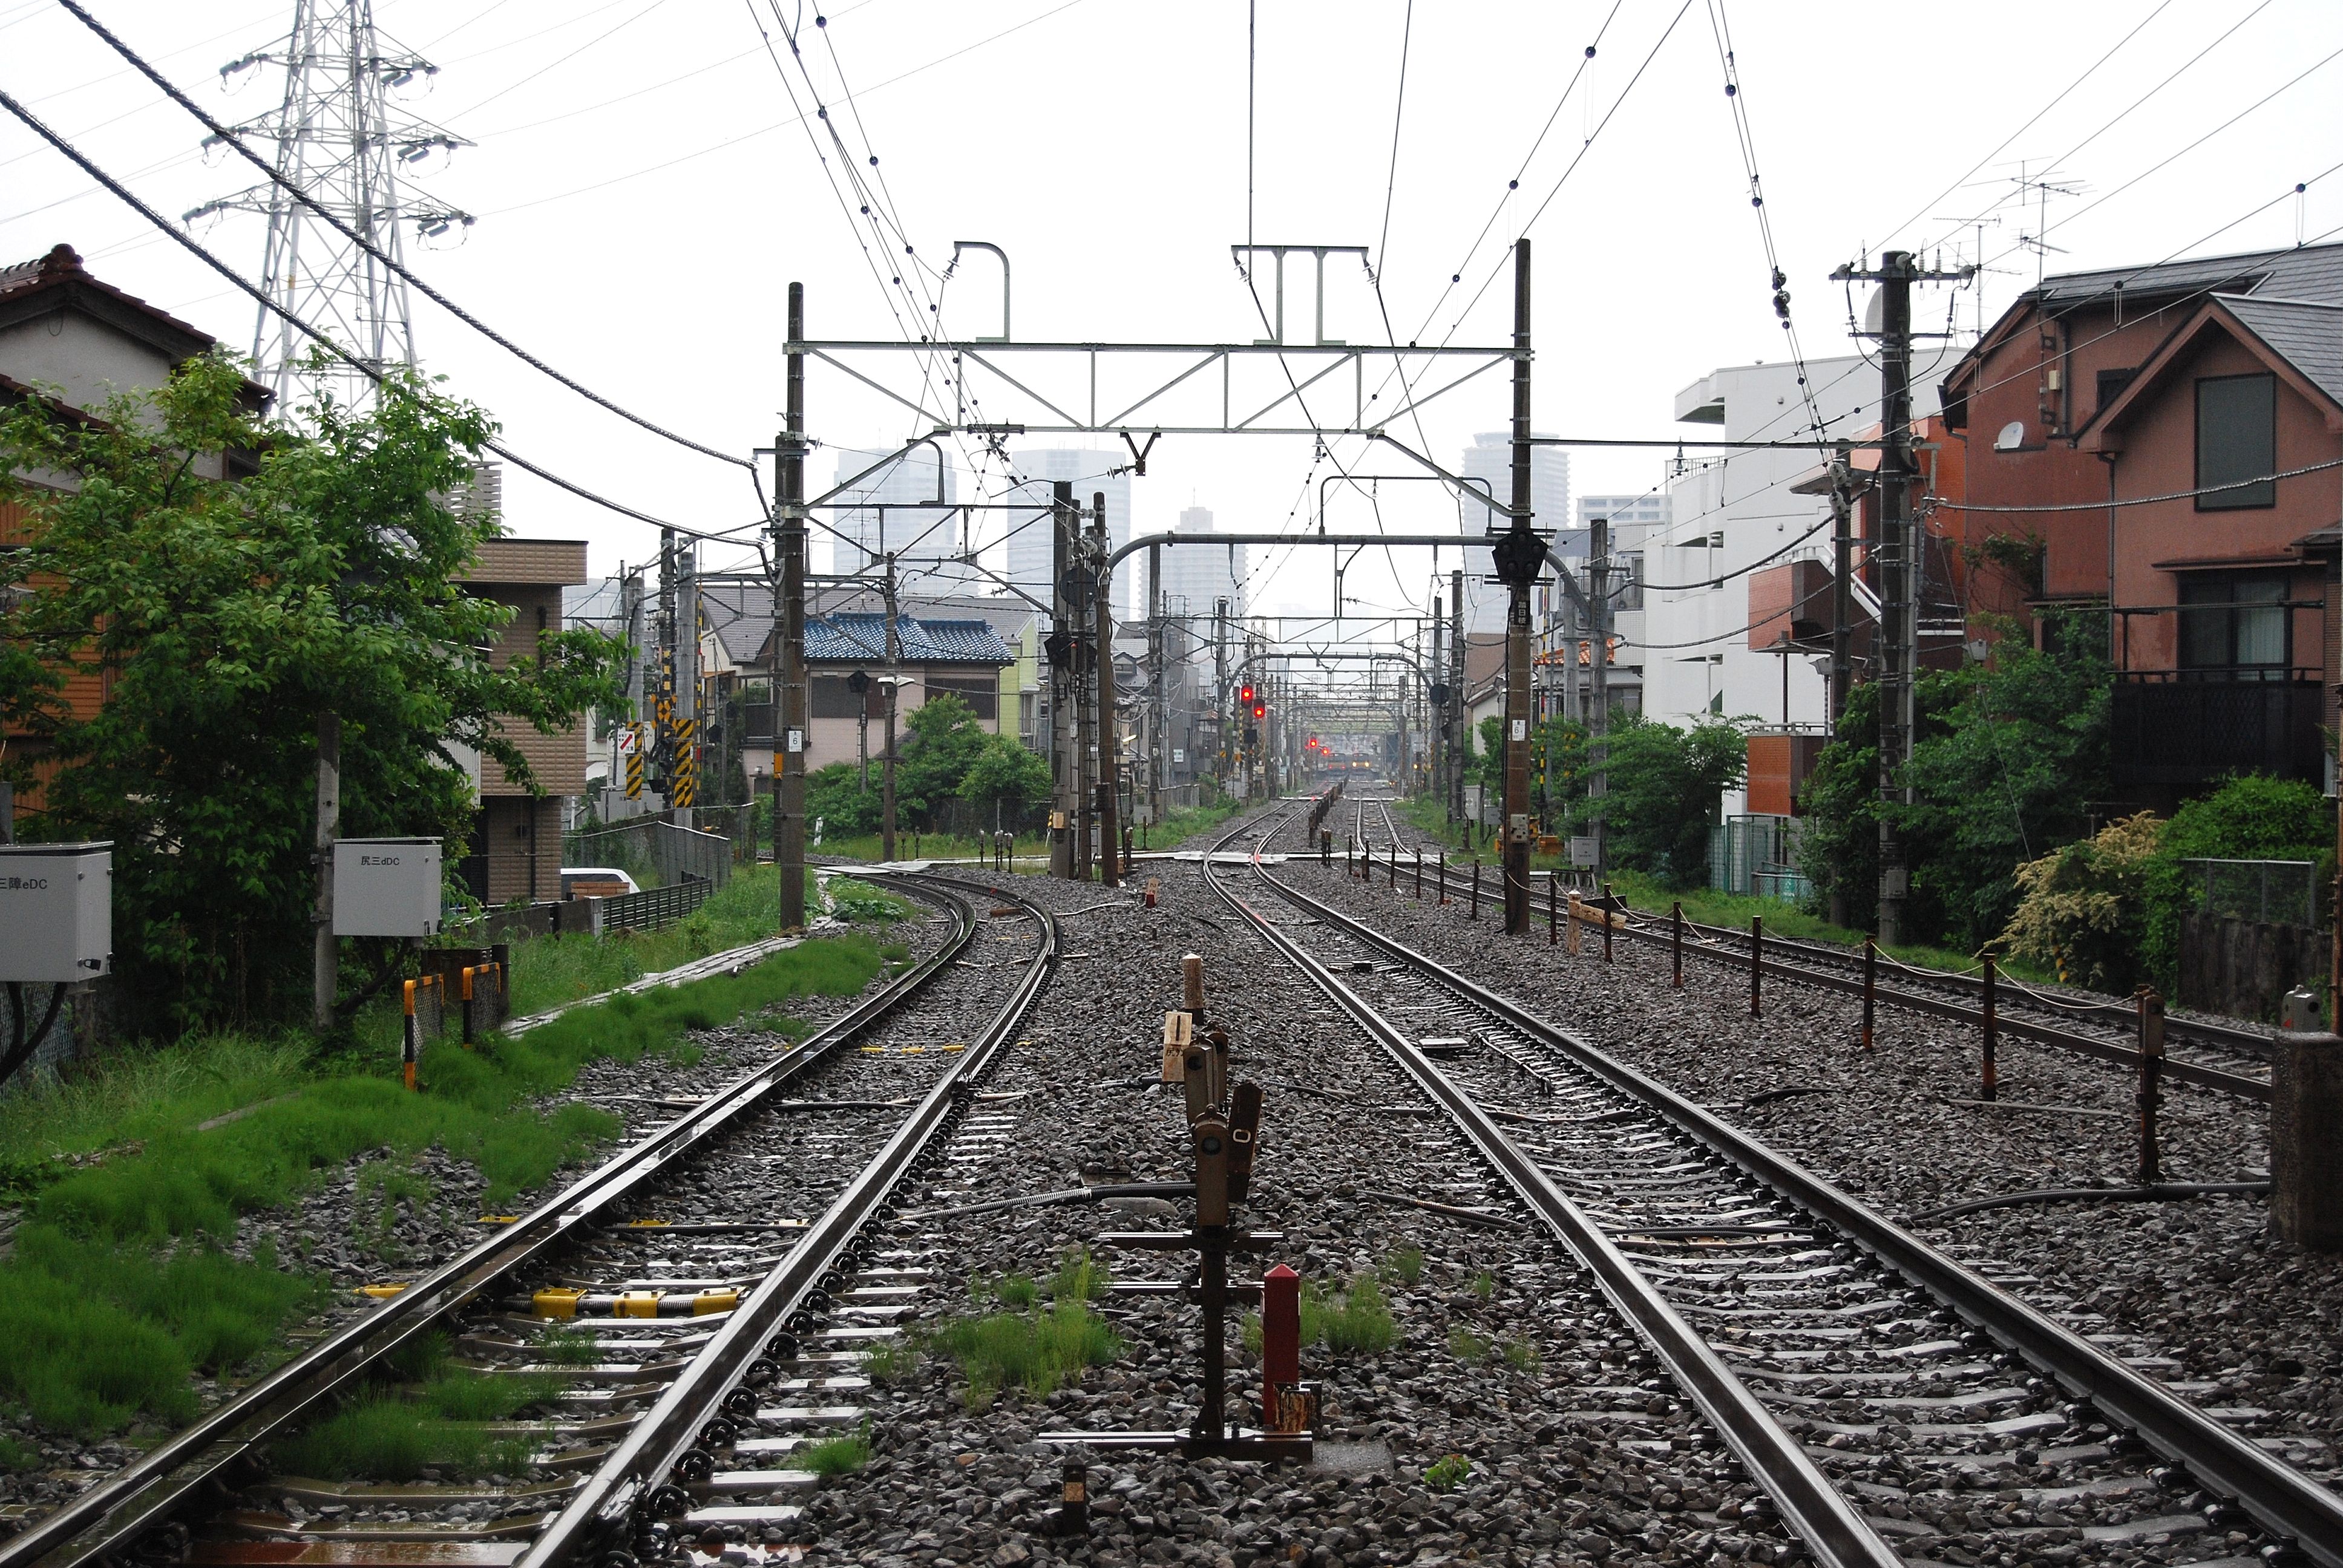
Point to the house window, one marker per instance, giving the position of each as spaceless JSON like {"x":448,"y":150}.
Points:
{"x":2234,"y":623}
{"x":2236,"y":441}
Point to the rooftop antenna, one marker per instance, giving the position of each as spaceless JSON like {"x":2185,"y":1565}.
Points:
{"x":342,"y":142}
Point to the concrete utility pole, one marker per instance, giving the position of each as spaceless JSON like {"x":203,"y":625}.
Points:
{"x":1841,"y":649}
{"x":327,"y":968}
{"x":1519,"y":557}
{"x":1108,"y":741}
{"x":630,"y":615}
{"x":1598,"y":727}
{"x":1457,"y":669}
{"x":1897,"y":554}
{"x":894,"y":680}
{"x":789,"y":631}
{"x":1065,"y":776}
{"x":1223,"y":736}
{"x":1442,"y":735}
{"x":686,"y":680}
{"x":1158,"y":719}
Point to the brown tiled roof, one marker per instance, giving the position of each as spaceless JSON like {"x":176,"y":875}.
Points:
{"x":62,"y":268}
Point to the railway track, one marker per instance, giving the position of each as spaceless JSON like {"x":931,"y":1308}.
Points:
{"x":1823,"y":1340}
{"x":2230,"y":1058}
{"x":711,"y":1292}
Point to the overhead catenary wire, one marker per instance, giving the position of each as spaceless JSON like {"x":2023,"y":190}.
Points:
{"x":235,"y":141}
{"x":185,"y":242}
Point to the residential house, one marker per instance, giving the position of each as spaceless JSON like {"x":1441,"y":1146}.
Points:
{"x":2126,"y":427}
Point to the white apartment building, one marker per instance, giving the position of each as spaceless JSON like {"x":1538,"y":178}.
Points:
{"x":1729,"y":512}
{"x":1030,"y":538}
{"x":924,"y":540}
{"x":1490,"y":460}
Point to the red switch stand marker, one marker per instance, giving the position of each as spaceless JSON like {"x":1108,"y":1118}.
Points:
{"x":1284,"y":1407}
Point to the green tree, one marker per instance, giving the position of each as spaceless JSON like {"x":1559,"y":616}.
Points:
{"x":2082,"y":909}
{"x":222,"y":616}
{"x":943,"y":744}
{"x":1663,"y":789}
{"x":836,"y":798}
{"x":2008,"y":757}
{"x":1839,"y":853}
{"x":1007,"y":776}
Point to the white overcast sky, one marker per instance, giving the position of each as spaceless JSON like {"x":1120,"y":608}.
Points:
{"x":645,"y":194}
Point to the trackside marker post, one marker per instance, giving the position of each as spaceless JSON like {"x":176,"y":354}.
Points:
{"x":1991,"y":1088}
{"x":1870,"y":987}
{"x":1756,"y":965}
{"x":2151,"y":1076}
{"x":1609,"y":905}
{"x":1675,"y":944}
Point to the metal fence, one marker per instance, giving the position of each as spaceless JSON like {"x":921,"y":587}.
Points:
{"x":653,"y":907}
{"x":2274,"y":892}
{"x":1759,"y":855}
{"x":655,"y":853}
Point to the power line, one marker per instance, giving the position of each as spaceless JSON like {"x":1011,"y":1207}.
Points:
{"x":236,"y":141}
{"x":186,"y":243}
{"x":1398,"y":106}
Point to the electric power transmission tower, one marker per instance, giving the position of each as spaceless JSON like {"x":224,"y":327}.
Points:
{"x":342,"y":141}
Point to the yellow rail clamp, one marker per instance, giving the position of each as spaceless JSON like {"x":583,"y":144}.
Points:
{"x":637,"y":1305}
{"x":381,"y":1292}
{"x":707,"y":1302}
{"x":499,"y":1219}
{"x":874,"y":1051}
{"x":952,"y":1048}
{"x":644,"y":1224}
{"x":910,"y":1050}
{"x":556,"y":1302}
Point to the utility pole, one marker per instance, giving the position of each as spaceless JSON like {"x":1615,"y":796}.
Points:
{"x":1896,"y":552}
{"x":1598,"y":727}
{"x":1108,"y":742}
{"x":894,"y":680}
{"x":1223,"y":735}
{"x":1065,"y":777}
{"x":1519,"y":556}
{"x":1457,"y":669}
{"x":1841,"y":649}
{"x":327,"y":968}
{"x":1442,"y":732}
{"x":789,"y":629}
{"x":1158,"y":720}
{"x":687,"y":684}
{"x":663,"y":709}
{"x":630,"y":615}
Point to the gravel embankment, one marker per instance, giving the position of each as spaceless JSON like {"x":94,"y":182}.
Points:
{"x":1577,"y":1453}
{"x":2248,"y":1324}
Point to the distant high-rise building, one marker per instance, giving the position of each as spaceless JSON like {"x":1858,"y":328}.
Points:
{"x":924,"y":539}
{"x":1196,"y":577}
{"x":1490,"y":460}
{"x":1029,"y":533}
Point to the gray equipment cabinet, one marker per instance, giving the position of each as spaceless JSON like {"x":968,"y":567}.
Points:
{"x":57,"y":912}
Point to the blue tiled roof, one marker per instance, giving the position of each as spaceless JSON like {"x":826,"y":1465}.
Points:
{"x":855,"y":638}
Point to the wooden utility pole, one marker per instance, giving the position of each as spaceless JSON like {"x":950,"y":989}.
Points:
{"x":1108,"y":743}
{"x":788,"y":632}
{"x":325,"y":970}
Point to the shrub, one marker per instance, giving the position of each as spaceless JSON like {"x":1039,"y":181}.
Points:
{"x":2082,"y":910}
{"x":1449,"y":1473}
{"x":2253,"y":817}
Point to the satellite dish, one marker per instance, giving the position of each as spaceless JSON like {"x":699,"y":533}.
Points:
{"x":2012,"y":437}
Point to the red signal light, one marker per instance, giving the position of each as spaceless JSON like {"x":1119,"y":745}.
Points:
{"x":1260,"y":710}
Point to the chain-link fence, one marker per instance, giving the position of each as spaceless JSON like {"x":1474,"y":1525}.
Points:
{"x":1759,"y":855}
{"x":2273,"y":892}
{"x":656,"y":854}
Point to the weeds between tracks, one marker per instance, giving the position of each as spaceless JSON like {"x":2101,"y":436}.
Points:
{"x":123,"y":1280}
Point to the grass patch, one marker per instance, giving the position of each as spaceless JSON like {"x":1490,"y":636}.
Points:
{"x":859,"y":903}
{"x":1035,"y":1348}
{"x":1356,"y":1322}
{"x":1519,"y":1354}
{"x":1080,"y":1277}
{"x":1467,"y":1346}
{"x":16,"y":1456}
{"x":890,"y":1363}
{"x":1407,"y":1263}
{"x":1484,"y":1284}
{"x":381,"y":1437}
{"x":1448,"y":1474}
{"x":558,"y":1344}
{"x":118,"y":1287}
{"x":835,"y":1456}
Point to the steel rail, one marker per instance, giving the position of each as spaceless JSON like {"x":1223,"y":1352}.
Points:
{"x":2279,"y":1498}
{"x":224,"y":1445}
{"x":598,"y":1513}
{"x":1832,"y":1528}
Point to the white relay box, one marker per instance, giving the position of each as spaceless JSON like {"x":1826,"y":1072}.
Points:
{"x":56,"y":911}
{"x":385,"y":886}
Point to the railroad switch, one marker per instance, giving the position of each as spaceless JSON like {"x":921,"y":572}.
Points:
{"x":1224,"y":1134}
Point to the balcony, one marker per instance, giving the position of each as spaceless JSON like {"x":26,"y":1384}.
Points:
{"x":2191,"y":727}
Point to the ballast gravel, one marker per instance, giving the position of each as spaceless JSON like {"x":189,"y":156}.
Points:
{"x":2195,"y":1292}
